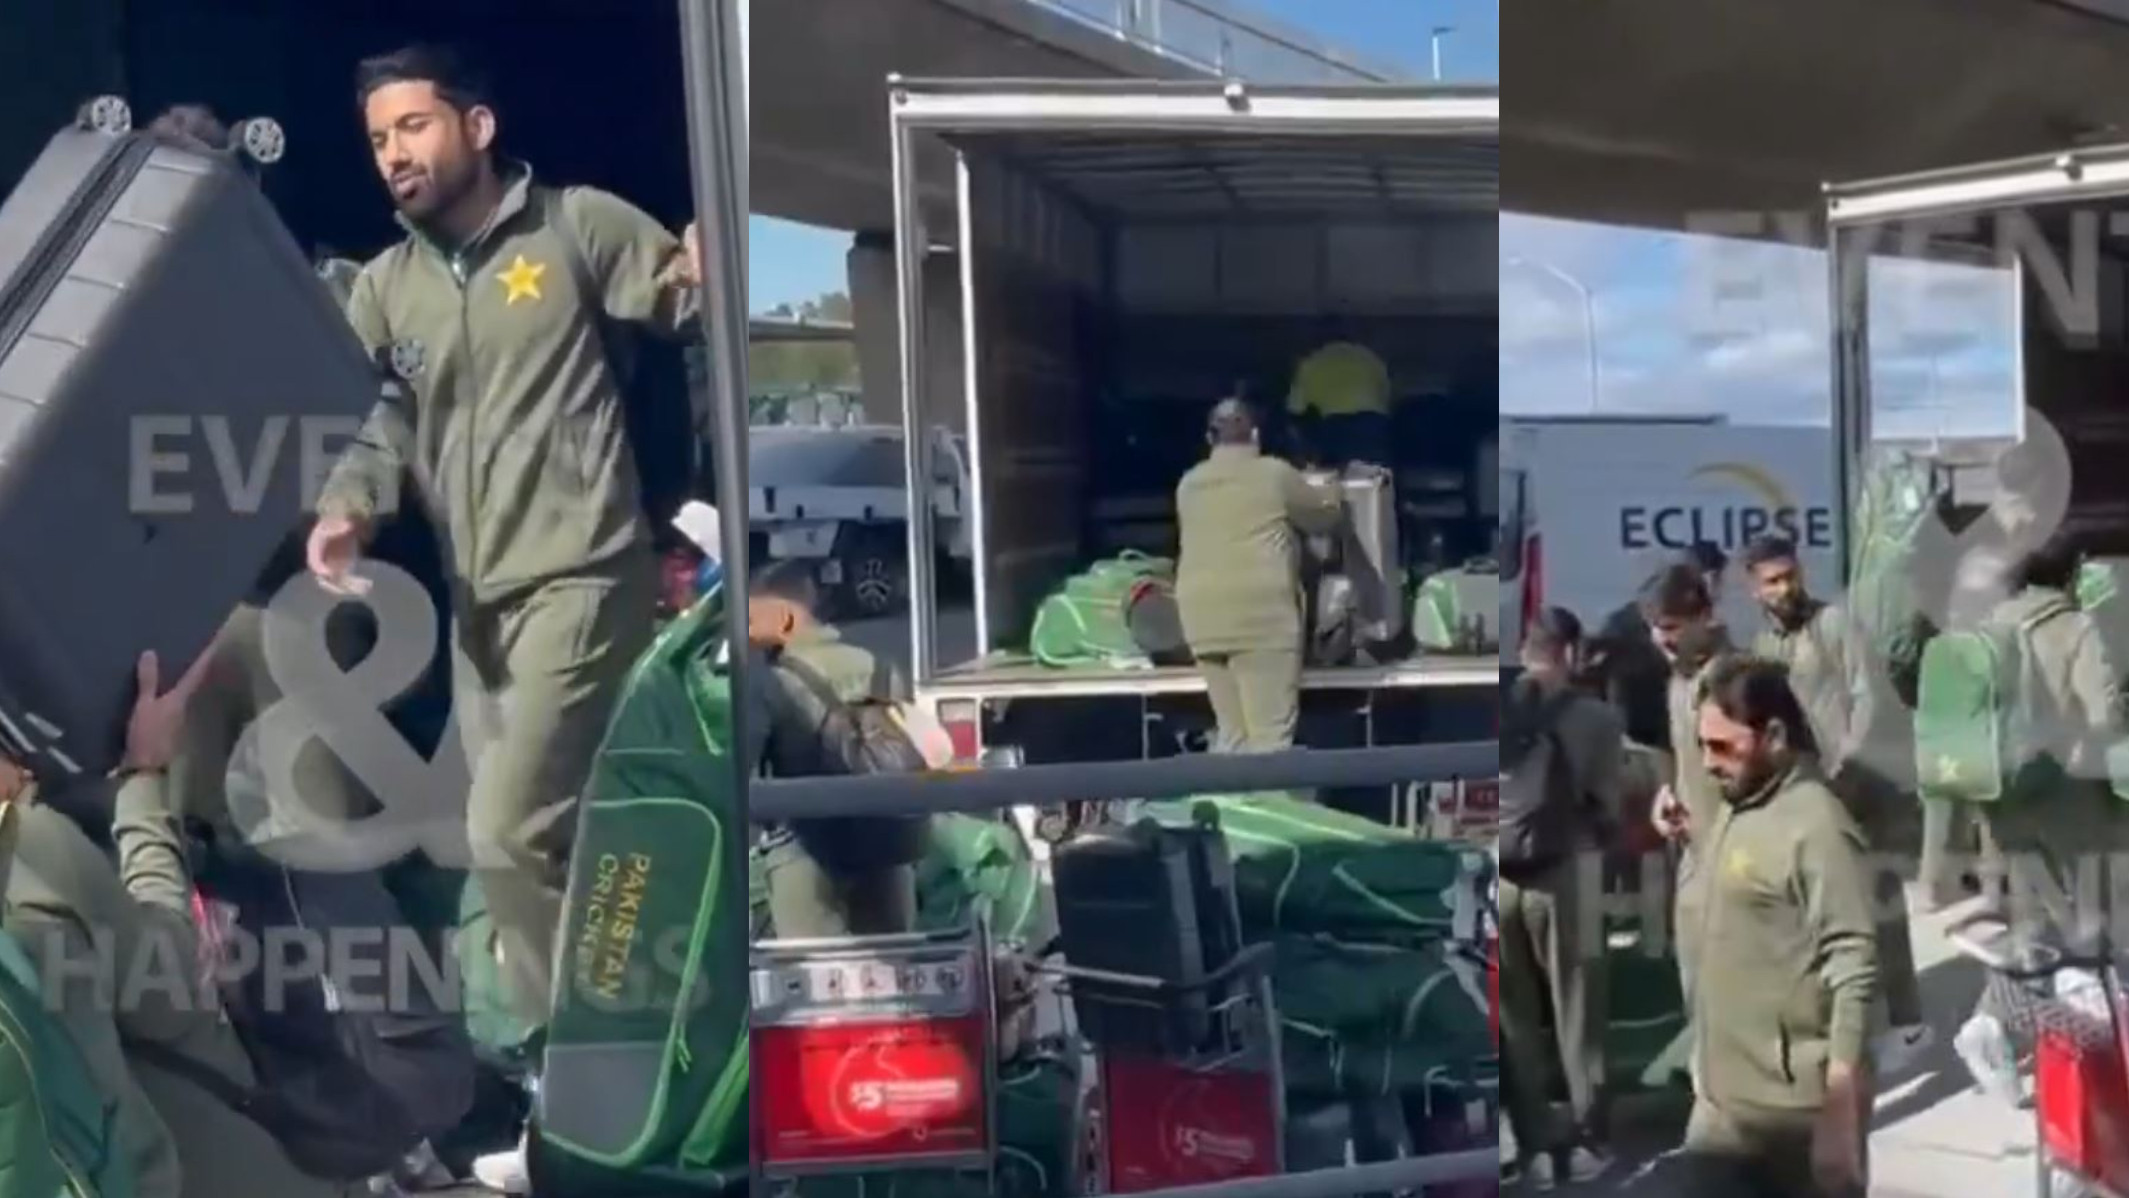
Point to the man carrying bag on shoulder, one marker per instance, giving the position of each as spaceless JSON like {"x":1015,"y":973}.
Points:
{"x":1561,"y":755}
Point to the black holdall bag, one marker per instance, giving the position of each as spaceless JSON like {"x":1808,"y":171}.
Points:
{"x":1542,"y":803}
{"x":358,"y":1059}
{"x":151,"y":303}
{"x":857,"y":739}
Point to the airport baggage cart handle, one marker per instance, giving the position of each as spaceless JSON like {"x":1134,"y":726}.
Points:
{"x":1345,"y":1180}
{"x":775,"y":799}
{"x":1254,"y":956}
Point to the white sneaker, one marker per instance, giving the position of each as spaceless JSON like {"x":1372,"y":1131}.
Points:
{"x":1539,"y":1174}
{"x":504,"y":1172}
{"x":1986,"y":1052}
{"x":1899,"y":1050}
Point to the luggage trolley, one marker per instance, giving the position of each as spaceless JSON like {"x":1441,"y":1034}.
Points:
{"x":1176,"y":1011}
{"x":875,"y":1055}
{"x":2069,"y":1010}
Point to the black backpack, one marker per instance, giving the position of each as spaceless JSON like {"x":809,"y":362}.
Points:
{"x":353,"y":1073}
{"x":854,"y":739}
{"x":1541,"y":804}
{"x":657,"y":399}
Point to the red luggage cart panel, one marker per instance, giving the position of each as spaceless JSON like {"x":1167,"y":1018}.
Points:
{"x":1169,"y":1125}
{"x":2082,"y":1090}
{"x":857,"y":1092}
{"x":875,"y":1055}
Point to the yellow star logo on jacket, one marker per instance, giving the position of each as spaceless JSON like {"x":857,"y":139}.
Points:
{"x":1739,"y":866}
{"x":522,"y":280}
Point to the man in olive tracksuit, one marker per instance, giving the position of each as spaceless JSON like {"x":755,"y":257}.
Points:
{"x":2050,"y":842}
{"x":809,"y":898}
{"x":1813,"y":640}
{"x":1787,"y":975}
{"x":1238,"y":582}
{"x":1681,"y":619}
{"x":78,"y":919}
{"x":514,"y":434}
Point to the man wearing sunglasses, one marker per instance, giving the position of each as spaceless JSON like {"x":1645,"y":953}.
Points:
{"x":1787,"y":971}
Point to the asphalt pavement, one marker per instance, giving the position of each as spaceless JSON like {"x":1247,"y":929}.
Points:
{"x":1933,"y":1135}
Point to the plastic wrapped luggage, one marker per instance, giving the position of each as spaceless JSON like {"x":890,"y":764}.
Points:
{"x":167,"y":354}
{"x":645,"y":1064}
{"x":1459,"y":611}
{"x":1301,"y":867}
{"x":1373,"y":555}
{"x":1358,"y":1018}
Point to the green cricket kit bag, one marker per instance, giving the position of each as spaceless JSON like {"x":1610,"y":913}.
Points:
{"x":58,"y":1132}
{"x":1900,"y":495}
{"x":644,"y":1089}
{"x":1301,"y":867}
{"x":1459,"y":611}
{"x":1979,"y":725}
{"x":1119,"y":612}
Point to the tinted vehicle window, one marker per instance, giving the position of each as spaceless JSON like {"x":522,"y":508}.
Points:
{"x":815,"y":459}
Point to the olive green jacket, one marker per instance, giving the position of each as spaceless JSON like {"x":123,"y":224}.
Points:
{"x":1242,"y":515}
{"x":1787,"y":968}
{"x":1691,"y":782}
{"x":1834,"y":684}
{"x":512,"y":425}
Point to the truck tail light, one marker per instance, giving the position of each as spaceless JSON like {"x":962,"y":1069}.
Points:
{"x":1533,"y":579}
{"x":963,"y":721}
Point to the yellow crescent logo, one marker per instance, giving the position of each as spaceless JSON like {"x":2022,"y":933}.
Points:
{"x":1743,"y":474}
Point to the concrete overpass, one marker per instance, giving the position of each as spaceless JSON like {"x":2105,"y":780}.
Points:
{"x":819,"y":72}
{"x":1647,"y":112}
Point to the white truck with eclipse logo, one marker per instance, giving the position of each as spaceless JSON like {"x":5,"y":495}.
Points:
{"x":1607,"y":500}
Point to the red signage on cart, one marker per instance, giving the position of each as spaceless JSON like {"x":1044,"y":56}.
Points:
{"x":888,"y":1091}
{"x":2082,"y":1091}
{"x":1172,"y":1126}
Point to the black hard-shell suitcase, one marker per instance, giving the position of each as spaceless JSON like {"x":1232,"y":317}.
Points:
{"x":1154,"y":902}
{"x":168,"y":362}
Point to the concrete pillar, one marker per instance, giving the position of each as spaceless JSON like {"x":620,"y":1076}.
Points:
{"x":875,"y":309}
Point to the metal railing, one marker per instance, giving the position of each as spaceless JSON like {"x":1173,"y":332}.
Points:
{"x":775,"y":799}
{"x":1223,"y":38}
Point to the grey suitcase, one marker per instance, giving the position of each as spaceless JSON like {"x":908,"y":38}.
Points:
{"x":1372,"y":555}
{"x":169,"y":360}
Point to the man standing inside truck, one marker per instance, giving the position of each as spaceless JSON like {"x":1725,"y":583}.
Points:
{"x":514,"y":435}
{"x":1242,"y":515}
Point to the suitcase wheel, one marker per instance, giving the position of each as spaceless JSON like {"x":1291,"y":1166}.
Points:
{"x":263,"y":140}
{"x":108,"y":115}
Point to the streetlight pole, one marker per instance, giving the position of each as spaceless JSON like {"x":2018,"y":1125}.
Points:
{"x":1589,"y":324}
{"x":1440,"y":32}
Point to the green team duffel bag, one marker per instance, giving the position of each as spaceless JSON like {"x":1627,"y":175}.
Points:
{"x":1977,"y":725}
{"x":1118,"y":613}
{"x":984,"y":860}
{"x":1459,"y":611}
{"x":58,"y":1132}
{"x":644,"y":1079}
{"x":1301,"y":867}
{"x":1374,"y":1019}
{"x":971,"y":860}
